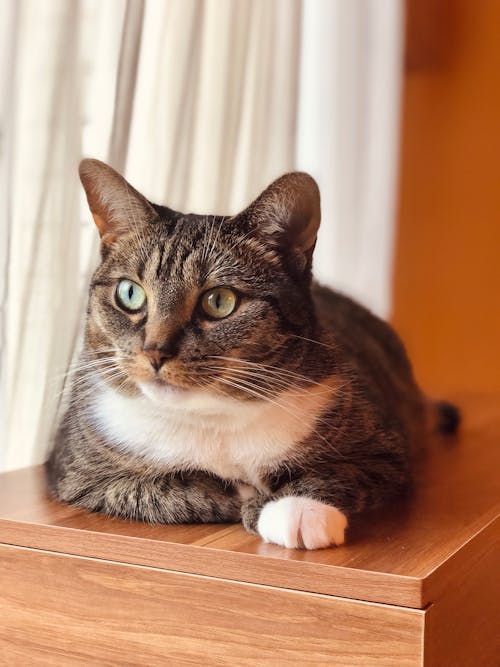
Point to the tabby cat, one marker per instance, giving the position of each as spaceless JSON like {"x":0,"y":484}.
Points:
{"x":219,"y":383}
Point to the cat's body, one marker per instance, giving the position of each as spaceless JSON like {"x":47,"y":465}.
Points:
{"x":293,"y":411}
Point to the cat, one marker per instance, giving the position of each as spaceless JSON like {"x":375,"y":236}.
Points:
{"x":219,"y":383}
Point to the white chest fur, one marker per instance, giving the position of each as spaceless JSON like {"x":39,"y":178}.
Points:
{"x":233,"y":439}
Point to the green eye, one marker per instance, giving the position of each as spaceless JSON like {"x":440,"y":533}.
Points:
{"x":219,"y":302}
{"x":130,"y":296}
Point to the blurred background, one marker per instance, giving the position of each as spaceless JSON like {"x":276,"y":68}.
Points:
{"x":392,"y":105}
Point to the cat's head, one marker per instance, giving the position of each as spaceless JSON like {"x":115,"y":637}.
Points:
{"x":195,"y":304}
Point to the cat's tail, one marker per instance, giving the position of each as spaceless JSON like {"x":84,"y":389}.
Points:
{"x":445,"y":417}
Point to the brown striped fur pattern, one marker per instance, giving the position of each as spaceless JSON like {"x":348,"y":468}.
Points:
{"x":328,"y":383}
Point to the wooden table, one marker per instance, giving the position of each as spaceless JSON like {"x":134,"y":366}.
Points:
{"x":416,"y":584}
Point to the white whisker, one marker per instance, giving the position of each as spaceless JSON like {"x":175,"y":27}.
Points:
{"x":269,"y":368}
{"x":311,"y":340}
{"x":258,"y":394}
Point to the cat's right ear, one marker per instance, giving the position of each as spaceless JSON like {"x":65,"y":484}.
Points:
{"x":116,"y":206}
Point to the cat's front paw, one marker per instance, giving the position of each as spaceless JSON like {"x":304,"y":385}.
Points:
{"x":298,"y":522}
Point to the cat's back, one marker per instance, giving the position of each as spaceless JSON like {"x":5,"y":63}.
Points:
{"x":367,"y":342}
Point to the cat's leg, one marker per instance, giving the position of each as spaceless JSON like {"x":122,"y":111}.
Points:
{"x":312,"y":510}
{"x":174,"y":498}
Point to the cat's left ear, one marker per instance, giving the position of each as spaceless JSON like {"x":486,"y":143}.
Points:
{"x":288,"y":214}
{"x":116,"y":206}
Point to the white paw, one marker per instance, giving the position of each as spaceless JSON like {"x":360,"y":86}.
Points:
{"x":298,"y":522}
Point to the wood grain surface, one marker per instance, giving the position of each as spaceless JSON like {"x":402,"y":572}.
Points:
{"x":64,"y":610}
{"x":398,"y":556}
{"x":462,"y":626}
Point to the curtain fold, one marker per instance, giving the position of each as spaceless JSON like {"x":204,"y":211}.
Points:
{"x":126,"y":79}
{"x":9,"y":17}
{"x":43,"y":219}
{"x":202,"y":103}
{"x":222,"y":122}
{"x":347,"y":137}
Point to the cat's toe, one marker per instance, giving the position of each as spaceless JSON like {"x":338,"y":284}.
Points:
{"x":321,"y":525}
{"x":300,"y":522}
{"x":279,"y":522}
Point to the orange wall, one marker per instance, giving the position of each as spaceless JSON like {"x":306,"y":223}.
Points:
{"x":447,"y":271}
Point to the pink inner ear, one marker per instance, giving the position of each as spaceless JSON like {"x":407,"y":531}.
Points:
{"x":306,"y":216}
{"x":115,"y":205}
{"x":290,"y":209}
{"x":101,"y":225}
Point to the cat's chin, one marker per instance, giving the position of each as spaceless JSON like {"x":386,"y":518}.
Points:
{"x":163,"y":393}
{"x":197,"y":402}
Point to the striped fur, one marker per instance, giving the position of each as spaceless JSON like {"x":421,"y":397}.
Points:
{"x":299,"y":392}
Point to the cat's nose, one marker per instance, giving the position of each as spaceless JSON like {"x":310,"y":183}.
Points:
{"x":156,"y":356}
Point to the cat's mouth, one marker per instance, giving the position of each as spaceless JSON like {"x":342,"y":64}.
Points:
{"x":162,"y":392}
{"x":160,"y":382}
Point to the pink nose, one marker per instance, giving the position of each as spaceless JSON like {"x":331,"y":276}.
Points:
{"x":156,"y":357}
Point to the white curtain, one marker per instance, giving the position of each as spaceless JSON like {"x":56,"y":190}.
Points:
{"x":347,"y":138}
{"x":202,"y":103}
